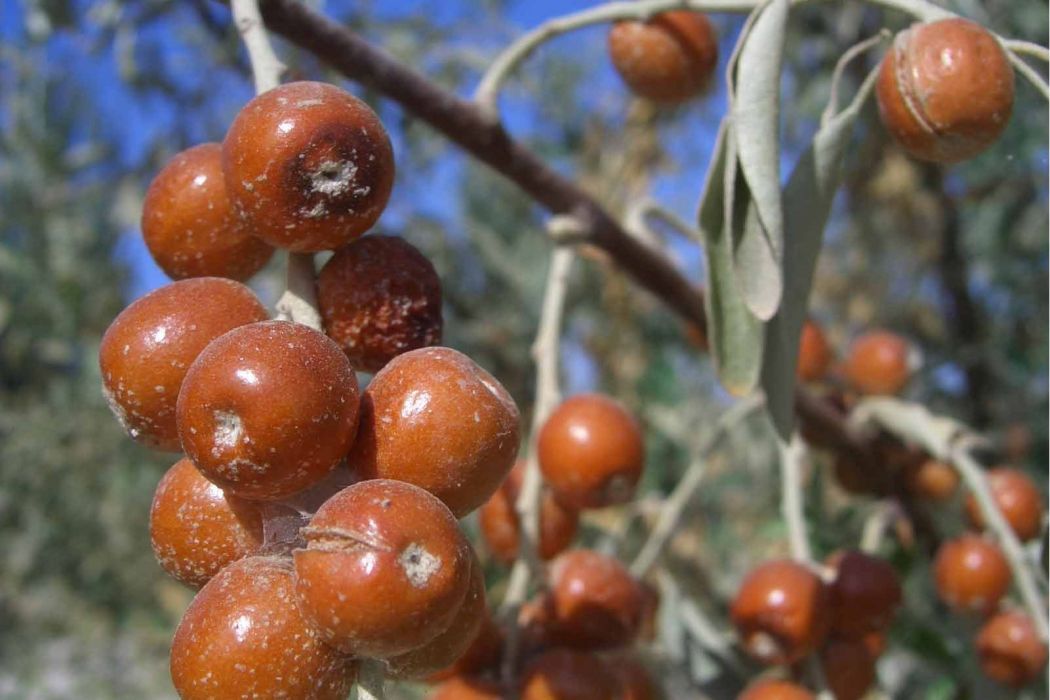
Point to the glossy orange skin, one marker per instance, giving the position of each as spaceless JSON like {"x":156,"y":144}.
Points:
{"x":877,"y":363}
{"x":444,"y":649}
{"x":435,"y":419}
{"x":385,"y":569}
{"x":243,"y":636}
{"x":595,"y":603}
{"x":482,"y":655}
{"x":667,"y":58}
{"x":467,"y":688}
{"x":309,"y":165}
{"x":1010,"y":649}
{"x":849,"y":668}
{"x":864,"y":596}
{"x":564,"y":674}
{"x":501,"y":529}
{"x":945,"y":90}
{"x":932,"y":480}
{"x":971,"y":574}
{"x":190,"y":226}
{"x":196,"y":530}
{"x":781,"y":612}
{"x":591,"y":452}
{"x":1018,"y":499}
{"x":775,"y":690}
{"x":814,"y":353}
{"x":269,"y":409}
{"x":379,"y":297}
{"x":147,"y":350}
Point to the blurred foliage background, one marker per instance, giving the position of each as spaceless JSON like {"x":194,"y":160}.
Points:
{"x":95,"y":95}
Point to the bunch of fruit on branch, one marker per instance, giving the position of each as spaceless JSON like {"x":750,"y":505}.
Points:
{"x":320,"y":523}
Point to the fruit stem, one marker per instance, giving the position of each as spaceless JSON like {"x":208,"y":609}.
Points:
{"x":299,"y":301}
{"x":266,"y":67}
{"x":792,"y":455}
{"x":370,"y":680}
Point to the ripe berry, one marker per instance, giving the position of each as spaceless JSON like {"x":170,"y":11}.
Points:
{"x":147,"y":350}
{"x":634,"y":679}
{"x":864,"y":595}
{"x":1010,"y":649}
{"x":564,"y":674}
{"x":591,"y":452}
{"x":781,"y":612}
{"x":482,"y":655}
{"x":878,"y":363}
{"x":814,"y":353}
{"x":595,"y":603}
{"x":931,"y":479}
{"x":385,"y":569}
{"x":1018,"y":499}
{"x":849,"y":668}
{"x":971,"y":574}
{"x":435,"y":419}
{"x":501,"y":529}
{"x":190,"y":226}
{"x":309,"y":165}
{"x":667,"y":58}
{"x":945,"y":90}
{"x":379,"y":297}
{"x":775,"y":690}
{"x":196,"y":530}
{"x":467,"y":688}
{"x":268,"y":409}
{"x":243,"y":636}
{"x":444,"y":649}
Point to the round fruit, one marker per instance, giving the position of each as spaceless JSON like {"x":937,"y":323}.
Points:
{"x":878,"y":363}
{"x":243,"y":636}
{"x":591,"y":452}
{"x":945,"y":90}
{"x":196,"y":530}
{"x":444,"y":649}
{"x":501,"y":528}
{"x":147,"y":350}
{"x":594,"y":601}
{"x":971,"y":574}
{"x":667,"y":58}
{"x":932,"y":480}
{"x":849,"y":668}
{"x":309,"y":165}
{"x":781,"y":612}
{"x":435,"y":419}
{"x":385,"y":569}
{"x":864,"y":596}
{"x":190,"y":226}
{"x":564,"y":674}
{"x":1018,"y":499}
{"x":775,"y":690}
{"x":1010,"y":649}
{"x":268,"y":409}
{"x":379,"y":297}
{"x":814,"y":353}
{"x":634,"y":679}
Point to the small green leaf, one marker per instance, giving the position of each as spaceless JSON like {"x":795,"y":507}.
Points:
{"x":759,"y":246}
{"x":735,"y":334}
{"x":808,"y":197}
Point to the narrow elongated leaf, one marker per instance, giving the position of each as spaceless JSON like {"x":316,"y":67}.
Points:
{"x":758,"y":247}
{"x":808,"y":197}
{"x":735,"y":335}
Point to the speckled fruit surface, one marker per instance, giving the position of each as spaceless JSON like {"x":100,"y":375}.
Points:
{"x":667,"y":58}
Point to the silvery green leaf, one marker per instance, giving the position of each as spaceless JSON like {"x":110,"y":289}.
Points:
{"x":808,"y":196}
{"x":758,"y":249}
{"x":735,"y":335}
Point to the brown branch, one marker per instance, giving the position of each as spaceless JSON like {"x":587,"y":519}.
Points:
{"x":463,"y":123}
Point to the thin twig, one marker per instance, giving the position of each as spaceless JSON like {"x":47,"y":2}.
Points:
{"x":702,"y":630}
{"x":1030,"y":74}
{"x":1028,"y":49}
{"x":299,"y":301}
{"x":266,"y":67}
{"x":674,"y":507}
{"x":370,"y":680}
{"x":792,"y":455}
{"x":836,"y":77}
{"x":639,"y":211}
